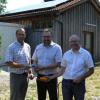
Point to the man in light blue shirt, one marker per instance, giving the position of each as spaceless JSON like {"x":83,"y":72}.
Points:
{"x":47,"y":57}
{"x":18,"y":60}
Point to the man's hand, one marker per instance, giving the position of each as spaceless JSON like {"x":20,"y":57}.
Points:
{"x":78,"y":80}
{"x":84,"y":76}
{"x":28,"y":69}
{"x":37,"y":69}
{"x":31,"y":76}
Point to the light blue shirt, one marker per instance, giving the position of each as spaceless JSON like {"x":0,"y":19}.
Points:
{"x":76,"y":63}
{"x":18,"y":53}
{"x":47,"y":55}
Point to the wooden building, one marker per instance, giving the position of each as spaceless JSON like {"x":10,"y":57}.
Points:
{"x":80,"y":17}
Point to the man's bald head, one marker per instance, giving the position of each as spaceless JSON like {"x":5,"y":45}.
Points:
{"x":20,"y":30}
{"x":74,"y":38}
{"x":74,"y":42}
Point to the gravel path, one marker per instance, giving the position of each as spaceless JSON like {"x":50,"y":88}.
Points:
{"x":4,"y":79}
{"x":5,"y":92}
{"x":4,"y":86}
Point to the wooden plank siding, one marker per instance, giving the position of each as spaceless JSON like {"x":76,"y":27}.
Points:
{"x":32,"y":21}
{"x":77,"y":20}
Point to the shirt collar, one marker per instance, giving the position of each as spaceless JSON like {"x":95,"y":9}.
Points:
{"x":51,"y":44}
{"x":19,"y":43}
{"x":79,"y":51}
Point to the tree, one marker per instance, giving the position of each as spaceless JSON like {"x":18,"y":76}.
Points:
{"x":2,"y":5}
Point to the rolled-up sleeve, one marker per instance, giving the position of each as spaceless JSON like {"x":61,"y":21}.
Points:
{"x":34,"y":56}
{"x":9,"y":55}
{"x":58,"y":56}
{"x":64,"y":61}
{"x":89,"y":61}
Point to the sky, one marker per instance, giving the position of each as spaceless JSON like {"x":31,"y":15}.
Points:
{"x":14,"y":4}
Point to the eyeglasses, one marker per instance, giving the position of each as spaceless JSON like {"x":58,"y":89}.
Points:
{"x":75,"y":41}
{"x":46,"y":36}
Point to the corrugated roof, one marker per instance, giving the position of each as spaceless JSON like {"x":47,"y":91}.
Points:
{"x":38,"y":6}
{"x":66,"y":5}
{"x":54,"y":7}
{"x":48,"y":6}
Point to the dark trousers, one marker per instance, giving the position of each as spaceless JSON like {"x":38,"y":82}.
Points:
{"x":18,"y":86}
{"x":70,"y":89}
{"x":43,"y":87}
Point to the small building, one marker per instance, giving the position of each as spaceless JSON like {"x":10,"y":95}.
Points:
{"x":66,"y":17}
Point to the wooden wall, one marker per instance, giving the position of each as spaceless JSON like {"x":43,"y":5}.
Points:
{"x":76,"y":20}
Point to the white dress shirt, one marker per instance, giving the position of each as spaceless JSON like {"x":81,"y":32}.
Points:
{"x":76,"y":63}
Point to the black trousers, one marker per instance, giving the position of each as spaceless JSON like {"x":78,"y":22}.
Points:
{"x":18,"y":86}
{"x":43,"y":87}
{"x":70,"y":89}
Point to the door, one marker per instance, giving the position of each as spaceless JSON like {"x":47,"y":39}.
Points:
{"x":89,"y":41}
{"x":33,"y":37}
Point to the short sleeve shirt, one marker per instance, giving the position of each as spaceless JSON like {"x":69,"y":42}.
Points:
{"x":76,"y":63}
{"x":47,"y":55}
{"x":19,"y":54}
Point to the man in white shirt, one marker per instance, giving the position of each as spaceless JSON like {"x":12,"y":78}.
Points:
{"x":76,"y":66}
{"x":47,"y":57}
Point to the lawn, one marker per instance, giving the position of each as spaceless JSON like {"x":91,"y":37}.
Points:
{"x":92,"y":85}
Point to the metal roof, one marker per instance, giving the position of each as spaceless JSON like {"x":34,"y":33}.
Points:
{"x":51,"y":7}
{"x":38,"y":6}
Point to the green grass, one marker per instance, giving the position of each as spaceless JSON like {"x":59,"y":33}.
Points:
{"x":92,"y":86}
